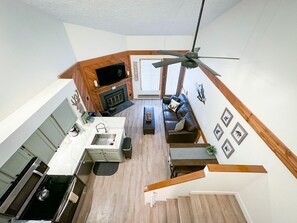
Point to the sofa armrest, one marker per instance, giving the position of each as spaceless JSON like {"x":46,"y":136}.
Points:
{"x":166,"y":100}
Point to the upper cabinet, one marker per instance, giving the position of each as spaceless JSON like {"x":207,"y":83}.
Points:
{"x":16,"y":163}
{"x":51,"y":129}
{"x":5,"y":183}
{"x":40,"y":146}
{"x":64,"y":116}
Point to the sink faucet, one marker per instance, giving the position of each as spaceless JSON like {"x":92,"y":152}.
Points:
{"x":104,"y":127}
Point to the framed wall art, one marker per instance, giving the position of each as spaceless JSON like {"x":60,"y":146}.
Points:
{"x":218,"y":131}
{"x":227,"y":148}
{"x":226,"y":117}
{"x":238,"y":133}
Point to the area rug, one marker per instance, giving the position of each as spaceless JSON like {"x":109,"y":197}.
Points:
{"x":121,"y":107}
{"x":105,"y":169}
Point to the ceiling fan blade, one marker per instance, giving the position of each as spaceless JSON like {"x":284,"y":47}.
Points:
{"x":168,"y":62}
{"x":227,"y":58}
{"x":172,"y":53}
{"x":200,"y":63}
{"x":198,"y":24}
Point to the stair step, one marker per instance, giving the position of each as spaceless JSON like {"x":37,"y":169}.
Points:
{"x":172,"y":211}
{"x":216,"y":208}
{"x":185,"y":209}
{"x":158,"y":213}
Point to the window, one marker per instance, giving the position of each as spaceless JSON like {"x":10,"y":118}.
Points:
{"x":149,"y":75}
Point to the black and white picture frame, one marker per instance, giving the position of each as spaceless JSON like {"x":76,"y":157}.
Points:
{"x":226,"y":117}
{"x":238,"y":133}
{"x":227,"y":148}
{"x":218,"y":131}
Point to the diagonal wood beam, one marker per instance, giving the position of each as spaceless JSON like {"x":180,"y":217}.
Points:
{"x":287,"y":157}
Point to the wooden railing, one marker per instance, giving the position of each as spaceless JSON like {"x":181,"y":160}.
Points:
{"x":201,"y":174}
{"x":177,"y":180}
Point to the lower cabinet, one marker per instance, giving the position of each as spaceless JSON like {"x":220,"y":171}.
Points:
{"x":106,"y":155}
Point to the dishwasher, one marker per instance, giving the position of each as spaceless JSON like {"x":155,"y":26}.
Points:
{"x":84,"y":167}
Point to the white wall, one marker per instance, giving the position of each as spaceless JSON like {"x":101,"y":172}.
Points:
{"x":159,"y":42}
{"x":263,"y":35}
{"x":34,"y":50}
{"x":89,"y":43}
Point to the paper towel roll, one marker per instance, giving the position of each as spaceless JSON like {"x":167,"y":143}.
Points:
{"x":73,"y":197}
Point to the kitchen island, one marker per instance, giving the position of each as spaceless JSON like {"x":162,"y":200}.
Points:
{"x":68,"y":157}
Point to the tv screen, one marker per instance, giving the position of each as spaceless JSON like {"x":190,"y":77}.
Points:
{"x":111,"y":74}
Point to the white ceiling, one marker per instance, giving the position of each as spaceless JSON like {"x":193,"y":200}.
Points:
{"x":135,"y":17}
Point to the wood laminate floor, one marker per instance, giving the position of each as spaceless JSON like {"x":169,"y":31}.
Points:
{"x":119,"y":198}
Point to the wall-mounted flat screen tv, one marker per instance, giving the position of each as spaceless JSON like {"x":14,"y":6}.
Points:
{"x":111,"y":74}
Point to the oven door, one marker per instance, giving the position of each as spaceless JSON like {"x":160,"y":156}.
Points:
{"x":70,"y":202}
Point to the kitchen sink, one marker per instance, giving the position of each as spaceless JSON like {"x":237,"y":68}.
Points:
{"x":104,"y":139}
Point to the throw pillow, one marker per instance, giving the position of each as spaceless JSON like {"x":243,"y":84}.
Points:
{"x":173,"y":105}
{"x":175,"y":98}
{"x":180,"y":125}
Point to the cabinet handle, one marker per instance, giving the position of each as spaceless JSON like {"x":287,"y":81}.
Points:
{"x":104,"y":153}
{"x":99,"y":152}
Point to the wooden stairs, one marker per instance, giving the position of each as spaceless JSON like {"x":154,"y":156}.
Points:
{"x":198,"y":208}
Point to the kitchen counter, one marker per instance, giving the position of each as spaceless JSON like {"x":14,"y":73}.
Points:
{"x":66,"y":159}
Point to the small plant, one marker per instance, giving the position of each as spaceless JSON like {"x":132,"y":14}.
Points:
{"x":211,"y":149}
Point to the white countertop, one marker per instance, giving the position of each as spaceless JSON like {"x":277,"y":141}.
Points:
{"x":65,"y":160}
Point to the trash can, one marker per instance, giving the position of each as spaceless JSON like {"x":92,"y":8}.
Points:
{"x":127,"y":148}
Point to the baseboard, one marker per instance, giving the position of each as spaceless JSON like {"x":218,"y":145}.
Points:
{"x":148,"y":96}
{"x":214,"y":192}
{"x":243,"y":208}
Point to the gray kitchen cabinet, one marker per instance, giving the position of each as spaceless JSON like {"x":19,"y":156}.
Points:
{"x":40,"y":146}
{"x":64,"y":116}
{"x":84,"y":167}
{"x":16,"y":163}
{"x":106,"y":155}
{"x":5,"y":182}
{"x":51,"y":129}
{"x":113,"y":156}
{"x":97,"y":155}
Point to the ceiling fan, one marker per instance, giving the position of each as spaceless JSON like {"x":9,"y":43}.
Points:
{"x":191,"y":58}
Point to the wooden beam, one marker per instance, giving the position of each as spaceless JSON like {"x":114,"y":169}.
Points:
{"x":287,"y":157}
{"x":236,"y":168}
{"x":176,"y":180}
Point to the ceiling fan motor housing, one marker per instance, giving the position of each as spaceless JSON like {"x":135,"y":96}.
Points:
{"x":189,"y":64}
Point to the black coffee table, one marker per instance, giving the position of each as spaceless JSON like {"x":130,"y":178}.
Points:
{"x":148,"y":126}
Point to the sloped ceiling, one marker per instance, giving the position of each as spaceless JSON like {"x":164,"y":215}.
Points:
{"x":135,"y":17}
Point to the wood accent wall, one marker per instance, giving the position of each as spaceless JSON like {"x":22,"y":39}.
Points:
{"x":88,"y":69}
{"x":288,"y":158}
{"x":74,"y":73}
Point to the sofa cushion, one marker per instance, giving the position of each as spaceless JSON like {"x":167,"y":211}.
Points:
{"x":173,"y":105}
{"x":183,"y":110}
{"x":165,"y":107}
{"x":180,"y":125}
{"x":170,"y":115}
{"x":190,"y":124}
{"x":170,"y":125}
{"x":183,"y":99}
